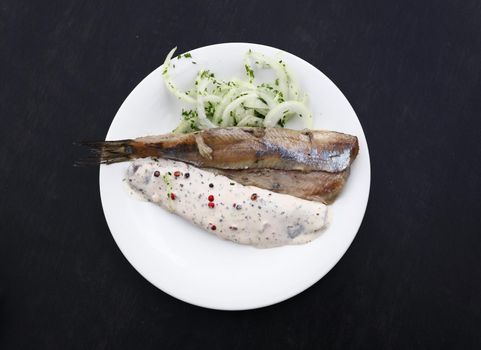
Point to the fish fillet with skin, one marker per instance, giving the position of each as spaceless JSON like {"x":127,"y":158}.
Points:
{"x":240,"y":148}
{"x":319,"y":186}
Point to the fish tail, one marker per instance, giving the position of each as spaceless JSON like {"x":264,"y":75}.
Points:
{"x":107,"y":152}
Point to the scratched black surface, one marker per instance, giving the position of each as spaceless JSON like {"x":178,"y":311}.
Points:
{"x":411,"y":70}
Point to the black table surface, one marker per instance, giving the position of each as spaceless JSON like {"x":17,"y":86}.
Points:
{"x":412,"y":72}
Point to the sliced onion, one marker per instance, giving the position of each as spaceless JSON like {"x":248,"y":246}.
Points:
{"x":203,"y":121}
{"x":251,"y":121}
{"x":227,"y":120}
{"x":241,"y":102}
{"x":276,"y":114}
{"x":168,"y":81}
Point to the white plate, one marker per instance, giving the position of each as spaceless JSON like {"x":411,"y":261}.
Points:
{"x":193,"y":265}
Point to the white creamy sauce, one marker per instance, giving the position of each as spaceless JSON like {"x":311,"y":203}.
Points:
{"x":242,"y":214}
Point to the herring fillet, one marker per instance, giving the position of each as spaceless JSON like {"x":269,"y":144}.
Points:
{"x":242,"y":214}
{"x":238,"y":148}
{"x":319,"y":186}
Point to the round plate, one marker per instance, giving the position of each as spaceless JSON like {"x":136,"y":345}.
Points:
{"x":193,"y":265}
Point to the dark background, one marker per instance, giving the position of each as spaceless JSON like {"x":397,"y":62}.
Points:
{"x":412,"y":72}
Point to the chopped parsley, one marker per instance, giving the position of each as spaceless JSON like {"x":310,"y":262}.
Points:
{"x":249,"y":71}
{"x":207,"y":74}
{"x":185,"y":55}
{"x":190,"y":116}
{"x":209,"y":110}
{"x":258,"y":115}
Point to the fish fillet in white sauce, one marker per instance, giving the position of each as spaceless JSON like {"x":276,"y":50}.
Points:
{"x":242,"y":214}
